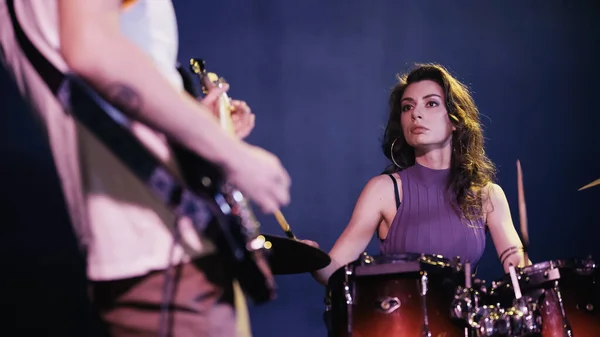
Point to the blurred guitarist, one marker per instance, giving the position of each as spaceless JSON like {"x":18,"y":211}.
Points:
{"x":126,"y":51}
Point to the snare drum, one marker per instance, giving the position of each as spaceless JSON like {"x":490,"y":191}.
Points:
{"x":400,"y":295}
{"x":565,"y":291}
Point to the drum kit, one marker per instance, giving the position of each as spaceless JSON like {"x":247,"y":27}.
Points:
{"x":428,"y":295}
{"x":422,"y":295}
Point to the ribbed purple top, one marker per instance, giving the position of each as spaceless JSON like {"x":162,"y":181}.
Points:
{"x":427,"y":223}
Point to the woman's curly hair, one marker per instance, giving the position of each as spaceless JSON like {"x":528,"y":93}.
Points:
{"x":470,"y":169}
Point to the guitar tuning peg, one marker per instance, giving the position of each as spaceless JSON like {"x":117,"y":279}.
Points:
{"x":197,"y":65}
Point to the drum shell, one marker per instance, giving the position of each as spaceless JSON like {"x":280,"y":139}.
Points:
{"x":578,"y":289}
{"x":355,"y":301}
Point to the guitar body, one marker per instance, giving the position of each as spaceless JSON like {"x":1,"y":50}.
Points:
{"x":248,"y":266}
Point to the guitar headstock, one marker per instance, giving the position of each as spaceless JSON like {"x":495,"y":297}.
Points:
{"x":207,"y":79}
{"x":197,"y":66}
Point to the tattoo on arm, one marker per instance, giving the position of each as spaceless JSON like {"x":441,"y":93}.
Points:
{"x":507,"y":256}
{"x":510,"y":251}
{"x":125,"y":98}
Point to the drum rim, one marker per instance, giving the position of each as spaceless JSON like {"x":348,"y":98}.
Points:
{"x":434,"y":260}
{"x":437,"y":259}
{"x":564,"y":263}
{"x":573,"y":262}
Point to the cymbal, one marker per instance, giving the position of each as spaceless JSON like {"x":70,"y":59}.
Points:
{"x":593,"y":183}
{"x":287,"y":256}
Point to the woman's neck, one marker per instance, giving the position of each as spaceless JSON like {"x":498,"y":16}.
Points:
{"x":437,"y":159}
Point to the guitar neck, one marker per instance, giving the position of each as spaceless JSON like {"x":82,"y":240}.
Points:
{"x":223,"y":102}
{"x":237,"y":199}
{"x":225,"y":109}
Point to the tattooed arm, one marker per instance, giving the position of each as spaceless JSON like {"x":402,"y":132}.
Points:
{"x":94,"y":48}
{"x":504,"y":235}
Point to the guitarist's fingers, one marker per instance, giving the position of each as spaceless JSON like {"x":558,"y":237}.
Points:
{"x":240,"y":107}
{"x":214,"y":93}
{"x":269,"y":207}
{"x":282,"y":191}
{"x":243,"y":118}
{"x":243,"y":125}
{"x":275,"y":199}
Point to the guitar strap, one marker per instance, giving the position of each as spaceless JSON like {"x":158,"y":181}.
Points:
{"x":111,"y":127}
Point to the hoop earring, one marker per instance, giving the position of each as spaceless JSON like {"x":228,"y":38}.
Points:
{"x":392,"y":153}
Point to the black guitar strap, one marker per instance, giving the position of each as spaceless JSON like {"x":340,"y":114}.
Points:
{"x":111,"y":127}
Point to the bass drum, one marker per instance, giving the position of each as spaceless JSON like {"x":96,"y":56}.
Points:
{"x":400,"y":295}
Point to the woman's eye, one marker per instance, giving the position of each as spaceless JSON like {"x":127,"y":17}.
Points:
{"x":405,"y":107}
{"x":432,"y":104}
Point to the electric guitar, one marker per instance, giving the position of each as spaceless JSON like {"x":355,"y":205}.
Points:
{"x":238,"y":238}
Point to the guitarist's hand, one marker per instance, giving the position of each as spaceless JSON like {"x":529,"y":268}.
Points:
{"x":242,"y":117}
{"x":256,"y":172}
{"x":260,"y":175}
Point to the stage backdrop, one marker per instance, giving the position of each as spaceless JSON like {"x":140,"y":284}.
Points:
{"x":317,"y":74}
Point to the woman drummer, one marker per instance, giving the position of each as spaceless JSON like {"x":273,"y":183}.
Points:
{"x":438,"y":196}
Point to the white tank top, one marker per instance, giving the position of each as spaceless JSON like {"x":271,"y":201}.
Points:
{"x":150,"y":24}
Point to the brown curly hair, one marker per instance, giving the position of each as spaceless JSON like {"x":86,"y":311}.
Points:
{"x":470,"y":169}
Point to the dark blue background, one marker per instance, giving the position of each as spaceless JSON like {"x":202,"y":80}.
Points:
{"x":317,"y":74}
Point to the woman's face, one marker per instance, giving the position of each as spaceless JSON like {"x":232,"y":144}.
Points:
{"x":424,"y":117}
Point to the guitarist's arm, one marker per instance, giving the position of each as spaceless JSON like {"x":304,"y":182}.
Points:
{"x":95,"y":50}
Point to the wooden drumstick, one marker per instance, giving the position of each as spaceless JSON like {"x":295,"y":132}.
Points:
{"x":522,"y":212}
{"x":592,"y":184}
{"x":284,"y":225}
{"x":515,"y":281}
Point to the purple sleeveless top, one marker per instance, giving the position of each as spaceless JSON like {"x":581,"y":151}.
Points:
{"x":427,"y":223}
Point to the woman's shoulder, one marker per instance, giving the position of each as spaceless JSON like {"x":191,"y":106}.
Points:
{"x":385,"y":178}
{"x":491,"y":194}
{"x":382,"y":183}
{"x":491,"y":189}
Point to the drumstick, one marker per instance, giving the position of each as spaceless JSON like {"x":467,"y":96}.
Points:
{"x":284,"y":225}
{"x":522,"y":212}
{"x":515,"y":281}
{"x":592,"y":184}
{"x":468,"y":275}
